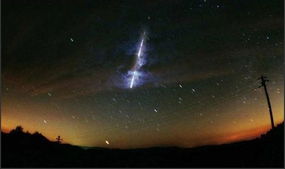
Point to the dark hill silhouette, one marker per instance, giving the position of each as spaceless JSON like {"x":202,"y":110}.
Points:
{"x":22,"y":149}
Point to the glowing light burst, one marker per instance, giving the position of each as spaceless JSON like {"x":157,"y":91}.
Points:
{"x":135,"y":73}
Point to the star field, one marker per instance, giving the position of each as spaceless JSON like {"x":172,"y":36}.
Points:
{"x":64,"y":66}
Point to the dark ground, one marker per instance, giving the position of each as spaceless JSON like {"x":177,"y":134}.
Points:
{"x":21,"y":149}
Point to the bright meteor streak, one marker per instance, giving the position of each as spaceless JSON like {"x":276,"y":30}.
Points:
{"x":132,"y":81}
{"x":139,"y":63}
{"x":140,"y":50}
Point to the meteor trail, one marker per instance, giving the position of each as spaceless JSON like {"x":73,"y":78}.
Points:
{"x":132,"y":81}
{"x":138,"y":64}
{"x":140,"y":49}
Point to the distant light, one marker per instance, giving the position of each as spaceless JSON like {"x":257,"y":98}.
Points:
{"x":180,"y":86}
{"x":107,"y":142}
{"x":71,"y":40}
{"x":45,"y":121}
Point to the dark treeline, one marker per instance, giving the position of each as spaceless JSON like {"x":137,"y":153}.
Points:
{"x":23,"y":149}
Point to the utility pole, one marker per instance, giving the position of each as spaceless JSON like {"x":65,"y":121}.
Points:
{"x":263,"y":83}
{"x":58,"y":139}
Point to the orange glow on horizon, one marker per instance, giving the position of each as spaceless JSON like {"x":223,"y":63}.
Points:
{"x":238,"y":122}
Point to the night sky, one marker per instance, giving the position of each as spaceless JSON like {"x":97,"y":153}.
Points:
{"x":66,"y":70}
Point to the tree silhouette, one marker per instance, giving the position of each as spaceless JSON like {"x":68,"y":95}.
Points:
{"x":18,"y":129}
